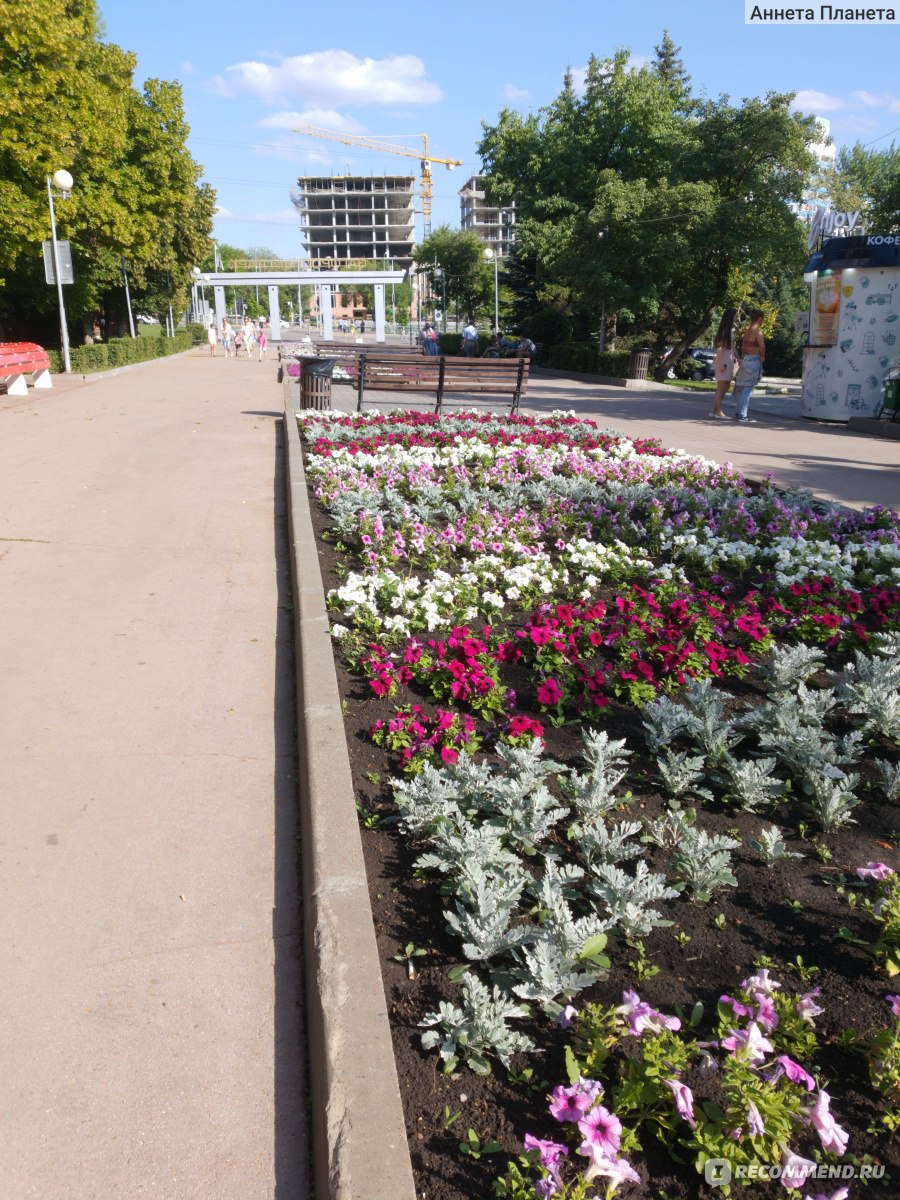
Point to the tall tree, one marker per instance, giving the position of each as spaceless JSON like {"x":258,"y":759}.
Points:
{"x":867,"y":181}
{"x":69,"y":101}
{"x":638,"y":200}
{"x":467,"y":281}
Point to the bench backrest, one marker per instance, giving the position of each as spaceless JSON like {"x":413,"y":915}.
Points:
{"x":22,"y":357}
{"x":442,"y":374}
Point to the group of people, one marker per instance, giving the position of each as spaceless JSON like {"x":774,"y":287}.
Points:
{"x":497,"y":347}
{"x":250,"y":335}
{"x":347,"y":326}
{"x":739,"y":361}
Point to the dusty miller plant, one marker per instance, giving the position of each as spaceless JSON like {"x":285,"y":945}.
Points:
{"x":890,"y":778}
{"x":482,"y":917}
{"x":664,"y":721}
{"x":479,"y":1029}
{"x":792,"y":665}
{"x":628,"y":898}
{"x":466,"y":844}
{"x":709,"y":729}
{"x":601,"y":843}
{"x":682,"y":773}
{"x":832,"y":800}
{"x":669,"y":830}
{"x":703,"y":863}
{"x":770,"y":846}
{"x":593,"y":791}
{"x":752,"y":782}
{"x":870,"y":687}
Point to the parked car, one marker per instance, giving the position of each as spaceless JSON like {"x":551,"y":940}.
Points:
{"x":697,"y":363}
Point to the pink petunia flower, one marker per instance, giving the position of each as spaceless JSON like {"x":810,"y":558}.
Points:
{"x":551,"y":1152}
{"x":748,"y":1044}
{"x":795,"y":1170}
{"x":684,"y":1100}
{"x":643,"y":1018}
{"x":754,"y":1120}
{"x":760,"y":982}
{"x":894,"y":1002}
{"x":571,"y":1103}
{"x":602,"y":1129}
{"x":566,"y":1016}
{"x":794,"y":1072}
{"x":549,"y":692}
{"x":874,"y":870}
{"x":616,"y":1170}
{"x":840,"y":1194}
{"x":807,"y":1007}
{"x":831,"y":1135}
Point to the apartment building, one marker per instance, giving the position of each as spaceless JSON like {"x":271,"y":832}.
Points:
{"x":495,"y":226}
{"x":347,"y":217}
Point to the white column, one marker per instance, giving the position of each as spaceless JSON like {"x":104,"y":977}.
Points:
{"x":274,"y":313}
{"x":219,"y":294}
{"x":379,"y":312}
{"x":325,"y":301}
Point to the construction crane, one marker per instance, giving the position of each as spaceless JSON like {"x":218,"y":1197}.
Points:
{"x":374,"y":142}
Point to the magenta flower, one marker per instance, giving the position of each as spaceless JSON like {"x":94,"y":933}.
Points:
{"x":549,"y":692}
{"x":748,"y":1044}
{"x":766,"y":1014}
{"x":894,"y":1002}
{"x":571,"y":1103}
{"x":874,"y":870}
{"x":794,"y":1072}
{"x":551,"y":1152}
{"x":807,"y":1007}
{"x":739,"y":1010}
{"x":831,"y":1135}
{"x":684,"y":1100}
{"x":601,"y":1129}
{"x":840,"y":1194}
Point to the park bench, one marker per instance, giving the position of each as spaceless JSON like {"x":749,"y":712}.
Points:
{"x":451,"y":380}
{"x":20,"y":359}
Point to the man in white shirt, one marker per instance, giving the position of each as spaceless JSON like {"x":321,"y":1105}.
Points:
{"x":470,"y":340}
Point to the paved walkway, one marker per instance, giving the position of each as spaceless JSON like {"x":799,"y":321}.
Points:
{"x":151,"y":1041}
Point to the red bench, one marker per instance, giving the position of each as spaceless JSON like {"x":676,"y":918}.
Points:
{"x":18,"y":359}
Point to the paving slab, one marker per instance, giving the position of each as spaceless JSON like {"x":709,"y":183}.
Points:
{"x":151,"y":1035}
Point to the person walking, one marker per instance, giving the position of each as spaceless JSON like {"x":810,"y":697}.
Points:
{"x":430,"y":340}
{"x":470,"y":340}
{"x":726,"y":362}
{"x":227,"y":337}
{"x":247,"y":338}
{"x":212,"y":336}
{"x":753,"y":356}
{"x":262,"y":341}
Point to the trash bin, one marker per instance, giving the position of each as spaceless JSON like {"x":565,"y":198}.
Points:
{"x":890,"y":405}
{"x":639,"y":363}
{"x":315,"y":382}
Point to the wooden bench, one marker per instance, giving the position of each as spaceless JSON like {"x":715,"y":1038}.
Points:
{"x":18,"y":359}
{"x":440,"y":375}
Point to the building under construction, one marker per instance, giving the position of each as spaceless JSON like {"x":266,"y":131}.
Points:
{"x":345,"y":217}
{"x":495,"y":226}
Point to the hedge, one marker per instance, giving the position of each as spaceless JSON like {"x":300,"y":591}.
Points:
{"x":119,"y":352}
{"x":584,"y":356}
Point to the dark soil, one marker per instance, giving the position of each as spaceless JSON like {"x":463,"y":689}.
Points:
{"x":781,"y":912}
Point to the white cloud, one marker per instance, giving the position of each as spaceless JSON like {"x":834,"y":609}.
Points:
{"x":324,"y":117}
{"x":514,"y":94}
{"x":332,"y":77}
{"x":636,"y":61}
{"x":817,"y":102}
{"x":867,"y":100}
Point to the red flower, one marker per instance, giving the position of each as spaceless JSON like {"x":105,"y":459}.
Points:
{"x":549,"y":692}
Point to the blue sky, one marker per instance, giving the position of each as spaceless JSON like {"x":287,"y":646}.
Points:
{"x":252,"y":71}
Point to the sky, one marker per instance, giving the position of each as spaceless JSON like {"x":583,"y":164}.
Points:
{"x":251,"y":72}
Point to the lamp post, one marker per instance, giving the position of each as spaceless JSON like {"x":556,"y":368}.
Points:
{"x":439,"y":273}
{"x":63,"y":180}
{"x":195,"y":280}
{"x":490,"y":255}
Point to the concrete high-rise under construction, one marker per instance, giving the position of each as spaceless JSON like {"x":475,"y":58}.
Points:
{"x":344,"y":217}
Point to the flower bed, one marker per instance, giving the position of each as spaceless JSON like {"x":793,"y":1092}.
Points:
{"x":624,"y":734}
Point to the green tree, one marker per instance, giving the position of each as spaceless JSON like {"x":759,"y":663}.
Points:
{"x":468,"y":278}
{"x":637,"y":200}
{"x":867,"y":181}
{"x":69,"y":101}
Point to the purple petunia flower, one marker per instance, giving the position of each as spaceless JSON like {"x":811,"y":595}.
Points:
{"x":807,"y":1007}
{"x":684,"y":1100}
{"x":566,"y":1016}
{"x":794,"y":1072}
{"x":602,"y":1129}
{"x":642,"y":1017}
{"x":894,"y":1002}
{"x":748,"y":1043}
{"x":571,"y":1103}
{"x":874,"y":870}
{"x":795,"y":1170}
{"x":831,"y":1135}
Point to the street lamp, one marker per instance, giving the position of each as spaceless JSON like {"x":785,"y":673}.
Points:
{"x":195,"y":280}
{"x":64,"y":181}
{"x":440,"y":274}
{"x":490,"y":255}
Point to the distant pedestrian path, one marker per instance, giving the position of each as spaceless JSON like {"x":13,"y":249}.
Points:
{"x":151,"y":1037}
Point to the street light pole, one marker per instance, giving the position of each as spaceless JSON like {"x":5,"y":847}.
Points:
{"x":489,"y":255}
{"x":63,"y":181}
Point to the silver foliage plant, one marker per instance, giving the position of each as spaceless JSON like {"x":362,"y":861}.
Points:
{"x":770,"y":846}
{"x":478,"y":1030}
{"x":702,"y":863}
{"x":870,"y":688}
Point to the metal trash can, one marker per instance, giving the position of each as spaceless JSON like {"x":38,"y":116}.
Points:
{"x":639,"y":363}
{"x":315,"y":382}
{"x":890,"y":405}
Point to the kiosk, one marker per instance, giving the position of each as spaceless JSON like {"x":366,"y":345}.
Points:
{"x":854,"y":326}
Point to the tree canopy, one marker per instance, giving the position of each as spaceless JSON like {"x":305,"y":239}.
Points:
{"x":636,"y":198}
{"x":867,"y":181}
{"x":69,"y":101}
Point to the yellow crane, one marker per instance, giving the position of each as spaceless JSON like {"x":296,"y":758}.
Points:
{"x":374,"y":142}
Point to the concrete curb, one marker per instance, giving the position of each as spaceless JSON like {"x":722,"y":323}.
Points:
{"x":360,"y":1149}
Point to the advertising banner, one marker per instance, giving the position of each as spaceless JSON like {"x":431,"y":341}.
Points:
{"x":826,"y":309}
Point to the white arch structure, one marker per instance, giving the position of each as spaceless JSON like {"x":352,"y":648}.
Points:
{"x":323,"y":281}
